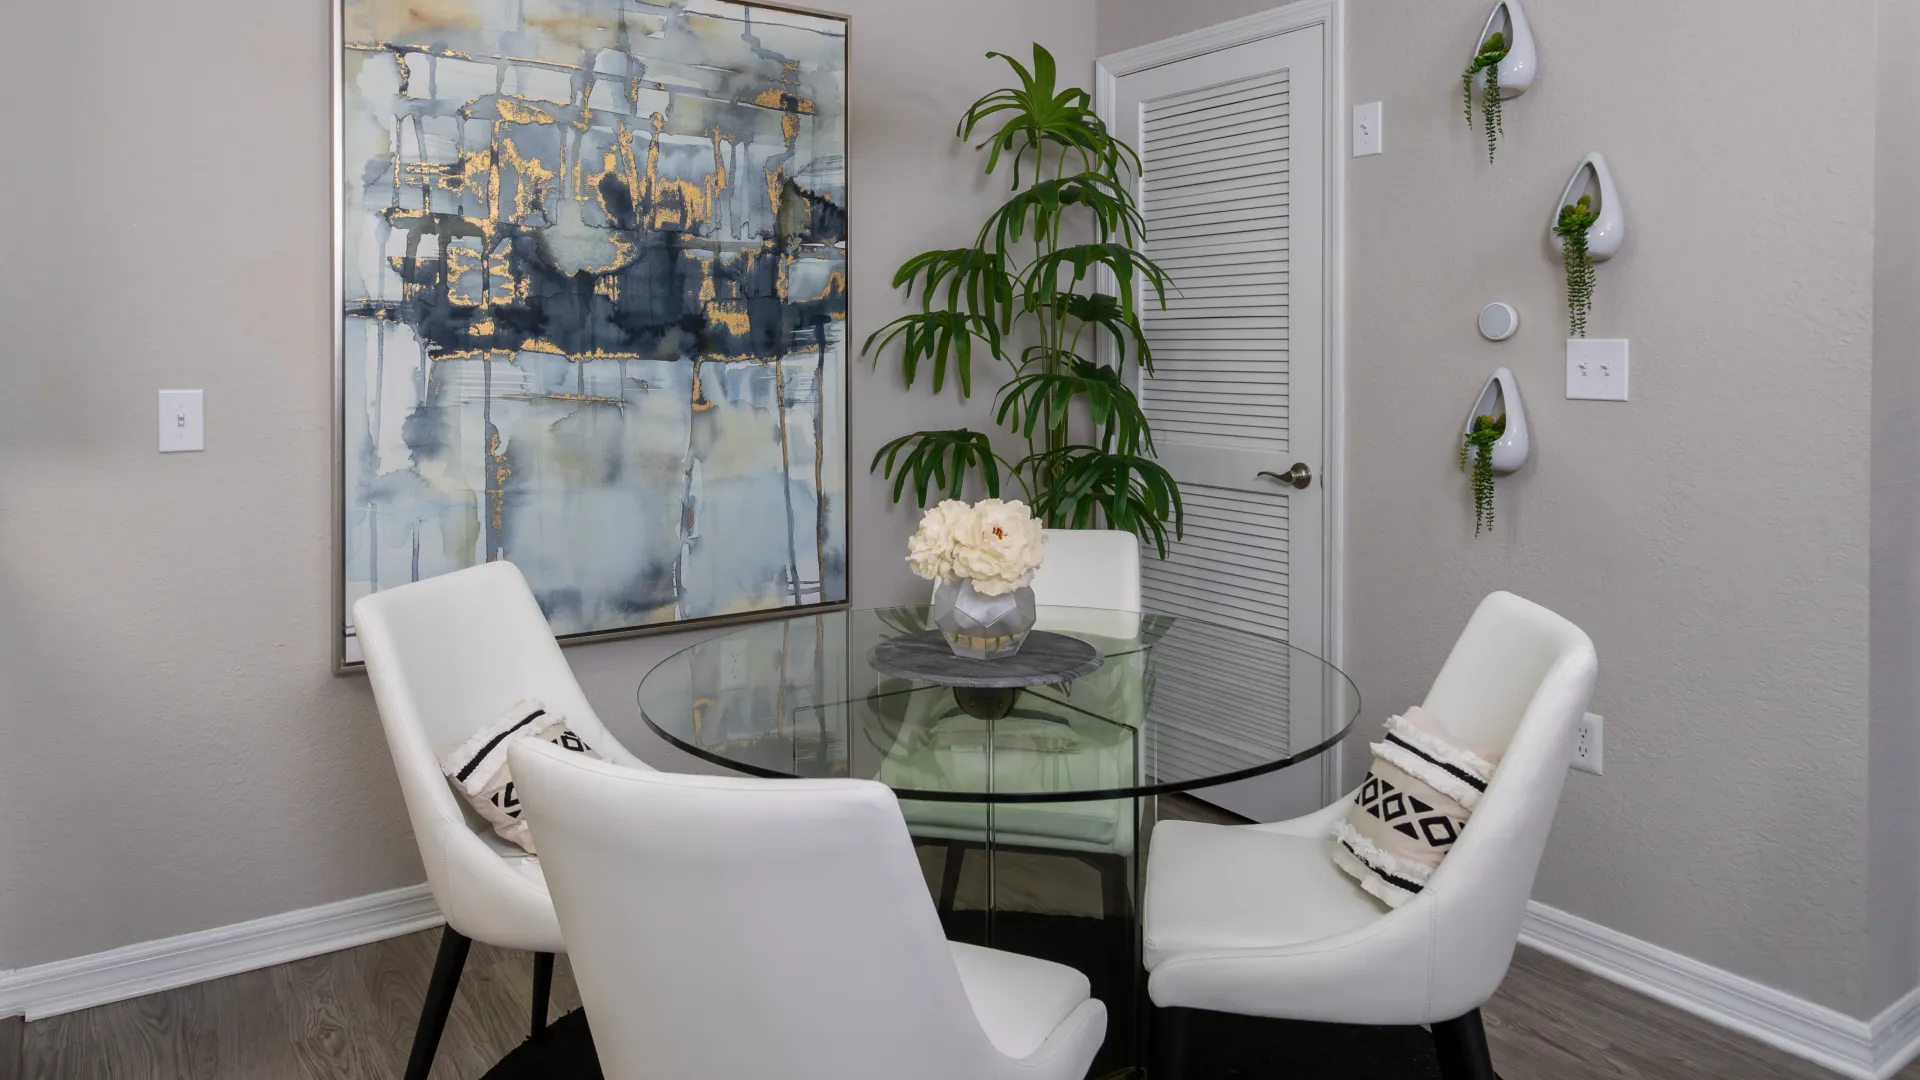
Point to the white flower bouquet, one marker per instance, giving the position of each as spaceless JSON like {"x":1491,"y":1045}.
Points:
{"x":996,"y":545}
{"x":981,"y":559}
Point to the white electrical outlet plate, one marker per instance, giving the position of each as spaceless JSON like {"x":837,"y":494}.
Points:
{"x":182,"y":421}
{"x":1366,"y":130}
{"x":1589,"y":748}
{"x":1597,"y":369}
{"x":733,"y":665}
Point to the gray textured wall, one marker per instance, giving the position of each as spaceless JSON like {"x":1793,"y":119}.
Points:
{"x":1894,"y":739}
{"x":174,"y":751}
{"x":1712,"y":534}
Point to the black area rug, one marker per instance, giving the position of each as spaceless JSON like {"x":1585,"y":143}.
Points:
{"x":565,"y":1053}
{"x":1222,"y":1047}
{"x":1244,"y":1048}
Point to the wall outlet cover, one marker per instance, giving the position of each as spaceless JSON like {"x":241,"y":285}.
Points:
{"x":1589,"y":746}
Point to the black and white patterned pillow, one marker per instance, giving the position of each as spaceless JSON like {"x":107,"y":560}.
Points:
{"x":1413,"y":806}
{"x":478,"y":768}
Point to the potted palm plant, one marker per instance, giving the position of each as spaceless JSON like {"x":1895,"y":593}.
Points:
{"x":1055,"y":269}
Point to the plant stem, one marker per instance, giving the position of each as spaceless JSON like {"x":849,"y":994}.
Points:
{"x":1490,"y":109}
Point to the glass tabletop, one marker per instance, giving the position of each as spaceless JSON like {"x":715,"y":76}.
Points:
{"x":1177,"y":703}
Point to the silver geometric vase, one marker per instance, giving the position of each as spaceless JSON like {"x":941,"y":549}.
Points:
{"x":982,"y":627}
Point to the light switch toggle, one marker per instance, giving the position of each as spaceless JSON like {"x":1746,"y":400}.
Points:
{"x":182,"y":421}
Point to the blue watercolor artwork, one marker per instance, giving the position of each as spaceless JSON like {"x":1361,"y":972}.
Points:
{"x":593,"y":303}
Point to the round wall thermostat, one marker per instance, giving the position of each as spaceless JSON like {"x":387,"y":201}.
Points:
{"x":1498,"y":321}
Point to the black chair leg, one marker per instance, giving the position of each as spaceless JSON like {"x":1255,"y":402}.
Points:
{"x":542,"y":991}
{"x":1170,"y":1028}
{"x":1461,"y":1045}
{"x":433,"y":1013}
{"x":950,"y":877}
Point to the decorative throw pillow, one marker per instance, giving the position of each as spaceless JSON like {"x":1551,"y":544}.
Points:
{"x":478,"y":768}
{"x":1416,"y":800}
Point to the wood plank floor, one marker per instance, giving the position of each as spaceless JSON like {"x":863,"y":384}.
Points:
{"x":350,"y":1015}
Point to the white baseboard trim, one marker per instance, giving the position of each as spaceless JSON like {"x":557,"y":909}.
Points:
{"x":1861,"y":1049}
{"x":152,"y":966}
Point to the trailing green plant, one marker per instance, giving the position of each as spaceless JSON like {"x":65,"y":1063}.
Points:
{"x":1571,"y":228}
{"x":1057,"y":267}
{"x":1478,"y":444}
{"x":1488,"y":60}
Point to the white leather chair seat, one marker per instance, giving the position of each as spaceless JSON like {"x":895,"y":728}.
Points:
{"x":1213,"y":888}
{"x":528,"y":867}
{"x":1020,"y":1001}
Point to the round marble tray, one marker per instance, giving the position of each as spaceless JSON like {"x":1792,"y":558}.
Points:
{"x":1044,"y":658}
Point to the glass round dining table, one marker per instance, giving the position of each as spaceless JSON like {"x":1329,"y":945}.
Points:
{"x":998,"y":787}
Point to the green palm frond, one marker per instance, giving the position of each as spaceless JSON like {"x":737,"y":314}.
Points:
{"x":1087,"y":484}
{"x":1107,"y":312}
{"x":975,"y":280}
{"x":1040,"y":209}
{"x":1044,"y":273}
{"x":938,"y":336}
{"x":1035,"y":115}
{"x":938,"y":461}
{"x":1046,"y":396}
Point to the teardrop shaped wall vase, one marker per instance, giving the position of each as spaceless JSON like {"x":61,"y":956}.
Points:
{"x":1522,"y":62}
{"x":1501,"y":397}
{"x":1609,"y":228}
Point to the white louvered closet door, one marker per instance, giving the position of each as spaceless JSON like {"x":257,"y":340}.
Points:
{"x":1232,"y":146}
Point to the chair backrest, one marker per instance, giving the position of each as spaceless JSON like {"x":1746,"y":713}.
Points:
{"x":1520,"y":677}
{"x":747,"y":929}
{"x":447,"y":656}
{"x":1093,"y":568}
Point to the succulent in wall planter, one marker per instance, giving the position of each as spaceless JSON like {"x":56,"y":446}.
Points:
{"x":1494,"y":440}
{"x":1492,"y":51}
{"x":1589,"y":225}
{"x":1478,"y":446}
{"x":1504,"y":63}
{"x":1572,"y":228}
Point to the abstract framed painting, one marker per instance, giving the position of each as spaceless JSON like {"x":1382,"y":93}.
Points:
{"x":591,"y":305}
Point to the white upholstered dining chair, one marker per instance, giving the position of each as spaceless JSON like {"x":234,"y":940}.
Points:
{"x":1257,"y":920}
{"x":1091,"y":581}
{"x":750,"y":929}
{"x":447,"y":656}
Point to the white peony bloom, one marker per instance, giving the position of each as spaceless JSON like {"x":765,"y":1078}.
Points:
{"x":999,"y":546}
{"x":930,"y":549}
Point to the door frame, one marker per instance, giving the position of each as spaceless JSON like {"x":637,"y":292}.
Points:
{"x":1331,"y":16}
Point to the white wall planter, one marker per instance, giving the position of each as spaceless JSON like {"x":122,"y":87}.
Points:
{"x":1501,"y":397}
{"x":1522,"y":62}
{"x":1610,"y":227}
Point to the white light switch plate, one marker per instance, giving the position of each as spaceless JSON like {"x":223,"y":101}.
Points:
{"x":1366,"y":130}
{"x":182,"y":421}
{"x":1597,"y":368}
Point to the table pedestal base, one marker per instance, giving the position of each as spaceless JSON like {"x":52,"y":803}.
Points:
{"x":986,"y":702}
{"x":1035,"y":899}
